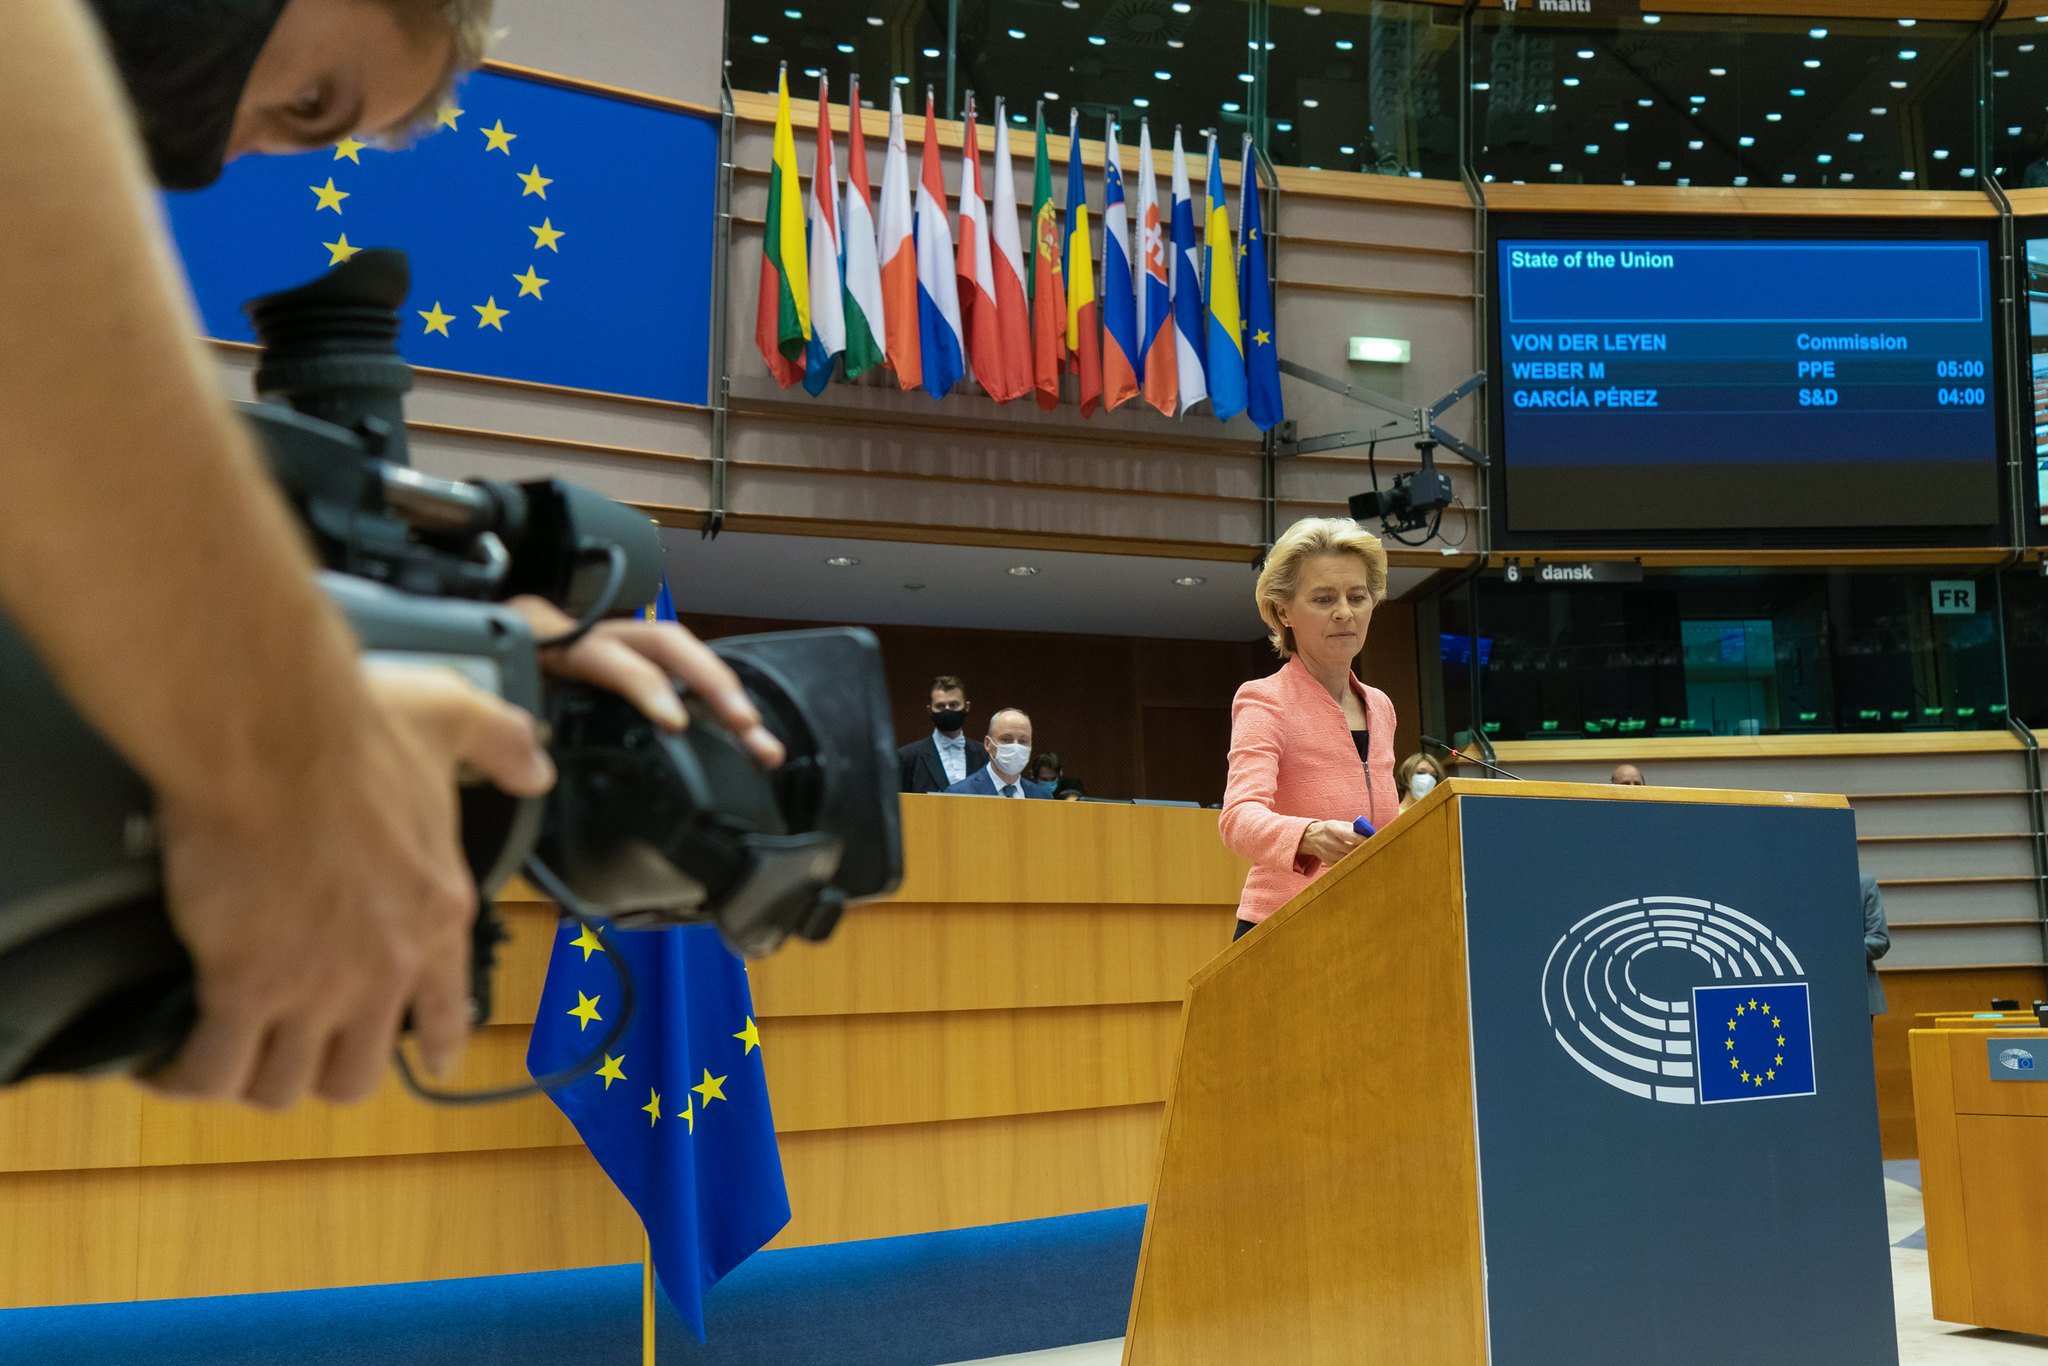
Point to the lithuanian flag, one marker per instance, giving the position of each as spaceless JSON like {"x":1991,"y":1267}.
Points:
{"x":782,"y":316}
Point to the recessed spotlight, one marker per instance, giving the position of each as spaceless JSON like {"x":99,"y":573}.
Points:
{"x":2013,"y":131}
{"x":1023,"y":571}
{"x":1482,"y":85}
{"x":1644,"y":104}
{"x":1797,"y":92}
{"x":792,"y":14}
{"x":1774,"y":118}
{"x":1742,"y":180}
{"x":1653,"y":18}
{"x":1816,"y":33}
{"x":1175,"y":43}
{"x":1898,"y":85}
{"x":1311,"y":104}
{"x":1189,"y":581}
{"x":1939,"y":154}
{"x":760,"y":37}
{"x":1016,"y":33}
{"x":1905,"y":175}
{"x":1592,"y":149}
{"x":1231,"y":106}
{"x":931,"y":52}
{"x":1097,"y":40}
{"x":814,"y":72}
{"x":2026,"y":47}
{"x":1014,"y":118}
{"x":842,"y":561}
{"x":1695,"y":144}
{"x":1245,"y":76}
{"x":1855,"y":137}
{"x":1162,"y":75}
{"x":1557,"y":168}
{"x":1621,"y":125}
{"x":1846,"y":176}
{"x":1745,"y":142}
{"x":846,"y":47}
{"x":1181,"y":6}
{"x":1051,"y":94}
{"x":1811,"y":63}
{"x":875,"y":20}
{"x":1908,"y":23}
{"x":1684,"y":181}
{"x":900,"y":80}
{"x":1663,"y":165}
{"x":1284,"y":126}
{"x":1141,"y":102}
{"x":1717,"y":71}
{"x":1348,"y":151}
{"x":1907,"y":54}
{"x":1697,"y":99}
{"x":1967,"y":172}
{"x":1585,"y":54}
{"x":2001,"y":73}
{"x":1571,"y":80}
{"x":1312,"y":11}
{"x":1879,"y":110}
{"x":1343,"y":44}
{"x":1543,"y":109}
{"x":1824,"y":158}
{"x":1788,"y":177}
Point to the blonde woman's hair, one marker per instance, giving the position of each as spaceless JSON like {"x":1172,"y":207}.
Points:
{"x":1307,"y":538}
{"x":468,"y":22}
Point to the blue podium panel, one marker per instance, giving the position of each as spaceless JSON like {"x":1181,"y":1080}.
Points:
{"x":1677,"y":1116}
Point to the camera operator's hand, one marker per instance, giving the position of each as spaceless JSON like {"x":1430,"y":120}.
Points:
{"x":318,"y":918}
{"x":642,"y":661}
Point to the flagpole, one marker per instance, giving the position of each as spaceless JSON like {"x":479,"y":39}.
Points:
{"x":646,"y":1301}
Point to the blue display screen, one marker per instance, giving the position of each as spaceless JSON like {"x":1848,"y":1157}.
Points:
{"x":1849,"y":369}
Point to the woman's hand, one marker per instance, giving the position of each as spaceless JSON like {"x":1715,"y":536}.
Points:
{"x":1329,"y":841}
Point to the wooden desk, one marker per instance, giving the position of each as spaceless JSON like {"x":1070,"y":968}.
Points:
{"x":1984,"y":1179}
{"x":992,"y":1043}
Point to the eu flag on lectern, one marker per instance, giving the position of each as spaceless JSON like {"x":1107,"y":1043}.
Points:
{"x":558,"y":236}
{"x":1754,"y":1042}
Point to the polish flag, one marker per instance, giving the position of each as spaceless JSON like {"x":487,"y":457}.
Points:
{"x":1011,"y":377}
{"x":938,"y":284}
{"x":977,"y":272}
{"x":898,"y":256}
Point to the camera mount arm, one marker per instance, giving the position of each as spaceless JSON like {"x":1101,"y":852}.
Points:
{"x":1409,"y":420}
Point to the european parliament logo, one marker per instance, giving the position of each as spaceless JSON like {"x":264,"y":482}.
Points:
{"x":1614,"y":1003}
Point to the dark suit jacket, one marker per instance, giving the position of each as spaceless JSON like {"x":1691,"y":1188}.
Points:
{"x":919,"y":768}
{"x":1877,"y":940}
{"x":982,"y":783}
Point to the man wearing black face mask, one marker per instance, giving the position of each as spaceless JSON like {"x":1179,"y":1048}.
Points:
{"x":935,"y":762}
{"x":307,"y":804}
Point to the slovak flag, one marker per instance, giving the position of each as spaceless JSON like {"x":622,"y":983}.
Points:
{"x":1011,"y":377}
{"x":1184,"y":281}
{"x":977,"y":271}
{"x":938,"y":288}
{"x":1119,"y":304}
{"x":1158,"y":368}
{"x":898,"y":256}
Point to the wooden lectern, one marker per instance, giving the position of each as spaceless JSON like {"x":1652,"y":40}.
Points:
{"x":1477,"y":1097}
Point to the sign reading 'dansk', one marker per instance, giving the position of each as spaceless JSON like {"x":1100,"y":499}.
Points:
{"x":1747,"y":1035}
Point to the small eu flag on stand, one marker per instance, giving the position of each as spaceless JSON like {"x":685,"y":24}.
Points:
{"x":678,"y":1113}
{"x":1755,"y":1042}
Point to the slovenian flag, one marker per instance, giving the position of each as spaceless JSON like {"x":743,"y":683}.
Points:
{"x":1184,"y":282}
{"x":938,"y":289}
{"x":1077,"y":265}
{"x":977,"y":272}
{"x":782,"y":312}
{"x":898,"y":255}
{"x":863,"y":275}
{"x":1219,"y":286}
{"x":1119,"y":302}
{"x":828,"y":304}
{"x":1048,"y":290}
{"x":1262,"y":355}
{"x":1158,"y":368}
{"x":1012,"y":375}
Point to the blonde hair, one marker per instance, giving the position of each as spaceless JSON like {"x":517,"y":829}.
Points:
{"x":1405,"y":771}
{"x":1307,"y":538}
{"x":468,"y":23}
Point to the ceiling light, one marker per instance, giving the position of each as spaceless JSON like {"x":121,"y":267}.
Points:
{"x":1697,"y":99}
{"x":1051,"y":94}
{"x":1142,"y":103}
{"x":1684,"y":181}
{"x":1812,"y":64}
{"x":1245,"y":76}
{"x":1162,"y":75}
{"x":900,"y":80}
{"x":1663,"y":165}
{"x":1644,"y":104}
{"x":814,"y":72}
{"x":1939,"y":154}
{"x":931,"y":52}
{"x":1847,"y":176}
{"x":842,"y":562}
{"x":792,"y":14}
{"x":1231,"y":107}
{"x":1695,"y":144}
{"x":875,"y":19}
{"x":1571,"y":80}
{"x":1967,"y":172}
{"x":1907,"y":54}
{"x":1023,"y":571}
{"x":1653,"y":18}
{"x":760,"y":37}
{"x":1349,"y":151}
{"x":1181,"y":6}
{"x":1592,"y":149}
{"x":1585,"y":54}
{"x":1482,"y":85}
{"x":2026,"y":47}
{"x":1742,"y":180}
{"x":1097,"y":40}
{"x":1621,"y":125}
{"x":1745,"y":142}
{"x":1855,"y":137}
{"x":1898,"y":85}
{"x":1381,"y":350}
{"x":1717,"y":71}
{"x":1284,"y":127}
{"x":1189,"y":581}
{"x":1878,"y":110}
{"x":2001,"y":74}
{"x":2013,"y":131}
{"x":1543,"y":109}
{"x":1788,"y":177}
{"x":1774,"y":118}
{"x":1311,"y":104}
{"x":1014,"y":118}
{"x":1816,"y":33}
{"x":1343,"y":44}
{"x":846,"y":47}
{"x":1905,"y":175}
{"x":1824,"y":158}
{"x":1797,"y":92}
{"x":1175,"y":43}
{"x":1016,"y":33}
{"x":1557,"y":168}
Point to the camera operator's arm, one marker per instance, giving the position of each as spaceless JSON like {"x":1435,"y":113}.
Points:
{"x":310,"y":848}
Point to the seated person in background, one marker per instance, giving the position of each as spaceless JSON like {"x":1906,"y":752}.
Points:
{"x":934,"y":762}
{"x":1415,"y":776}
{"x":1009,"y":750}
{"x":1046,"y":769}
{"x":1068,"y":790}
{"x":1626,"y":775}
{"x":1877,"y":939}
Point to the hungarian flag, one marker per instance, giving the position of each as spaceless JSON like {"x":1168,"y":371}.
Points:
{"x":828,"y":304}
{"x":1011,"y":376}
{"x":863,"y":305}
{"x":977,"y":271}
{"x":938,"y":283}
{"x":1119,"y":302}
{"x":1158,"y":367}
{"x":1077,"y":265}
{"x":1184,"y":281}
{"x":898,"y":255}
{"x":1048,"y":291}
{"x":1219,"y":285}
{"x":782,"y":316}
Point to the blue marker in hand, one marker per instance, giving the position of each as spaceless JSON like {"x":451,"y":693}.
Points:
{"x":1364,"y":827}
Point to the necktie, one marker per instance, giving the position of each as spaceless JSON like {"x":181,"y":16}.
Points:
{"x":1009,"y":789}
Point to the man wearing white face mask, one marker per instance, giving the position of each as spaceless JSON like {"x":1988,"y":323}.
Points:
{"x":1009,"y":751}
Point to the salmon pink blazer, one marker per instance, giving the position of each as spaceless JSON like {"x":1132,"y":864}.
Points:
{"x":1292,"y":763}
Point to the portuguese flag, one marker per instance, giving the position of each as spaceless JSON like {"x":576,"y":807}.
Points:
{"x":782,"y":317}
{"x":1048,"y":292}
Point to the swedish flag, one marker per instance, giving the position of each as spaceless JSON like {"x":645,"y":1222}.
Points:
{"x":1753,"y":1042}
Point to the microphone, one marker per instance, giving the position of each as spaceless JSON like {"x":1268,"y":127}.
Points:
{"x":1471,"y":758}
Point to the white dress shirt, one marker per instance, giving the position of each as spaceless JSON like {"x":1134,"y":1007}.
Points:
{"x":952,"y":753}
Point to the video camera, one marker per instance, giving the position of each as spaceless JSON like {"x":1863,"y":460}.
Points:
{"x":1411,"y":500}
{"x":644,"y":827}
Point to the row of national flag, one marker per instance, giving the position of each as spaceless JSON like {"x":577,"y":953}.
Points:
{"x":846,"y":287}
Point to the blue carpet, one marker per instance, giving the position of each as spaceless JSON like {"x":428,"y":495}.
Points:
{"x":913,"y":1301}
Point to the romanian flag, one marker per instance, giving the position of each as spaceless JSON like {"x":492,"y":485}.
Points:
{"x":1184,"y":278}
{"x":1262,"y":356}
{"x":1077,"y":265}
{"x":1119,"y":299}
{"x":938,"y":284}
{"x":782,"y":315}
{"x":1219,"y":287}
{"x":828,"y":303}
{"x":1048,"y":291}
{"x":857,"y":231}
{"x":894,"y":244}
{"x":1158,"y":365}
{"x":976,"y":266}
{"x":1011,"y":376}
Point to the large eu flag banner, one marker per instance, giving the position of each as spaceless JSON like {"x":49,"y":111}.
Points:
{"x":556,"y":235}
{"x":678,"y":1114}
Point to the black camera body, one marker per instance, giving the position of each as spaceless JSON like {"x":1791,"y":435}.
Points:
{"x":1411,"y":499}
{"x":646,"y":827}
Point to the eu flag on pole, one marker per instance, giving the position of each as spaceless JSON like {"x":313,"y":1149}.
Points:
{"x":1754,"y":1042}
{"x":678,"y":1115}
{"x":1262,"y":355}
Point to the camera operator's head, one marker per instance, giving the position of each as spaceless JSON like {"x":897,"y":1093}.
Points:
{"x":212,"y":80}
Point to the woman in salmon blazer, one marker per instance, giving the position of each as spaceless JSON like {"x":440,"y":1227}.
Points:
{"x":1311,"y":747}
